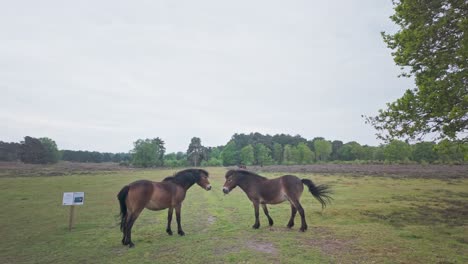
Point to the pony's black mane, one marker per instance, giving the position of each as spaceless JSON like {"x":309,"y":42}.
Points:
{"x":186,"y":178}
{"x":243,"y":172}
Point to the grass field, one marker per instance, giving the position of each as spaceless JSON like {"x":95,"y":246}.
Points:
{"x":372,"y":220}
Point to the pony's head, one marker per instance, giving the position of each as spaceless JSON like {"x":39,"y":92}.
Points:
{"x":203,"y":180}
{"x":232,"y":180}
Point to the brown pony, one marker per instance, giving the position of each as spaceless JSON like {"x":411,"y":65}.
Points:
{"x":170,"y":193}
{"x":261,"y":190}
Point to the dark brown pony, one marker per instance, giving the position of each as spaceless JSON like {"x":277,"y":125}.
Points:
{"x":170,"y":193}
{"x":261,"y":190}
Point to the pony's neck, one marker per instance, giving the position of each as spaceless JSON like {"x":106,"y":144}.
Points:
{"x":250,"y":180}
{"x":184,"y":181}
{"x":185,"y":185}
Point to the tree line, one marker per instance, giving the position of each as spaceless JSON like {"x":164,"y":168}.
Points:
{"x":44,"y":150}
{"x":243,"y":149}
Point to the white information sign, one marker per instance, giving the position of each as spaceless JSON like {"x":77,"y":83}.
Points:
{"x":73,"y":198}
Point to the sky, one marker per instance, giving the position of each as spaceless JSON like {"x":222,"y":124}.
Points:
{"x":98,"y":75}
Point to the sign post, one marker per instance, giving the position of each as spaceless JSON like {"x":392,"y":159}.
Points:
{"x":70,"y":220}
{"x":72,"y":199}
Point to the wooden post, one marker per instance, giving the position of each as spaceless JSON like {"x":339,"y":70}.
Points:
{"x":70,"y":221}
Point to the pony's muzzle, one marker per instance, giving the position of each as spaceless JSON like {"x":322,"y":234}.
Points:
{"x":208,"y":187}
{"x":225,"y":190}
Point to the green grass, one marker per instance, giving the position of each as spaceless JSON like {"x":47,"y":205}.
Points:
{"x":372,"y":220}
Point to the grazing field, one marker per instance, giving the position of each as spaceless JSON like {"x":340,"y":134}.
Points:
{"x":372,"y":220}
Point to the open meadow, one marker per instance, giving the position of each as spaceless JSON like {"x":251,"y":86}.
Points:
{"x":373,"y":219}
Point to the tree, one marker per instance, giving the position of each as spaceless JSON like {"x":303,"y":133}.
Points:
{"x":213,"y":162}
{"x":148,"y":153}
{"x":305,"y":155}
{"x":448,"y":151}
{"x":214,"y":152}
{"x":288,"y":158}
{"x":9,"y":151}
{"x":278,"y":153}
{"x":323,"y":149}
{"x":379,"y":153}
{"x":424,"y":151}
{"x":397,"y":150}
{"x":350,"y":151}
{"x":196,"y":153}
{"x":52,"y":154}
{"x":32,"y":151}
{"x":433,"y":45}
{"x":262,"y":155}
{"x":229,"y":155}
{"x":336,"y":145}
{"x":295,"y":155}
{"x":367,"y":152}
{"x":247,"y":155}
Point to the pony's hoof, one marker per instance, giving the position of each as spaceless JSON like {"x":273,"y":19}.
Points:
{"x":256,"y":226}
{"x":169,"y":232}
{"x":290,"y":226}
{"x":302,"y":229}
{"x":181,"y":233}
{"x":131,"y":245}
{"x":271,"y":223}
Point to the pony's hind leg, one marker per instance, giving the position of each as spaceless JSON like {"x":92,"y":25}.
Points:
{"x":125,"y":239}
{"x":265,"y":210}
{"x":299,"y":208}
{"x":124,"y":231}
{"x":130,"y":221}
{"x":293,"y":214}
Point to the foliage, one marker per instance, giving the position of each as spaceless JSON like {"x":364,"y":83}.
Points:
{"x":424,"y":151}
{"x":277,"y":153}
{"x":94,"y":156}
{"x":350,"y":151}
{"x":378,"y":154}
{"x":33,"y":150}
{"x":9,"y":151}
{"x":336,"y":145}
{"x":323,"y":149}
{"x":52,"y":154}
{"x":229,"y":154}
{"x":288,"y":157}
{"x":196,"y":153}
{"x":212,"y":162}
{"x":214,"y":152}
{"x":148,"y":153}
{"x":304,"y":154}
{"x":452,"y":151}
{"x":446,"y":151}
{"x":247,"y":155}
{"x":262,"y":155}
{"x":397,"y":150}
{"x":432,"y":44}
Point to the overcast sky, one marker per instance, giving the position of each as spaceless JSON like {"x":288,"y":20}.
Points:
{"x":98,"y":75}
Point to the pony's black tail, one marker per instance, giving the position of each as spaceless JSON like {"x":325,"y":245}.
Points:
{"x":320,"y":192}
{"x":122,"y":196}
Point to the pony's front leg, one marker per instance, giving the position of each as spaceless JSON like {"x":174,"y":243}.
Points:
{"x":169,"y":220}
{"x":179,"y":227}
{"x":257,"y":220}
